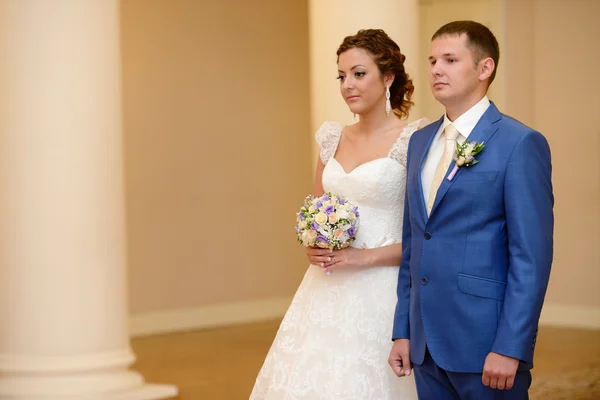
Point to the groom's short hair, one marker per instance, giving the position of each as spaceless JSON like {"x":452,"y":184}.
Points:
{"x":480,"y":39}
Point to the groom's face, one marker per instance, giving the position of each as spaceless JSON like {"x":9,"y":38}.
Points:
{"x":453,"y":74}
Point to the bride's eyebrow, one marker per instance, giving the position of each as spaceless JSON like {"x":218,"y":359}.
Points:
{"x":351,"y":69}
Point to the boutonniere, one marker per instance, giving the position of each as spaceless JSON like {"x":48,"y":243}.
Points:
{"x":465,"y":155}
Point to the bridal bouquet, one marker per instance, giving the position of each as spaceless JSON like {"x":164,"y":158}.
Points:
{"x":328,"y":222}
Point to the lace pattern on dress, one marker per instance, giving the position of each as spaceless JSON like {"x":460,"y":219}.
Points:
{"x":399,"y":151}
{"x":328,"y":138}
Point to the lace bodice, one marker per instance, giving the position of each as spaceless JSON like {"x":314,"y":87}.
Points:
{"x":376,"y":187}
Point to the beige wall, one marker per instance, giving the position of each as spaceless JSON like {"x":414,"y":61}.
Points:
{"x":566,"y":102}
{"x":217,"y":149}
{"x":547,"y":79}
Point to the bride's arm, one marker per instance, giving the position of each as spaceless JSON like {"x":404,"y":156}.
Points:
{"x":318,"y":184}
{"x":351,"y":257}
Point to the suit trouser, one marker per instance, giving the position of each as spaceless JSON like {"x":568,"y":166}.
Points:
{"x":435,"y":383}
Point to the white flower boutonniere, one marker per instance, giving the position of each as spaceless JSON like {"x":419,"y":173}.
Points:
{"x":465,"y":155}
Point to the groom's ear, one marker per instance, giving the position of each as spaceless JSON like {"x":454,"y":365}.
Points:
{"x":486,"y":68}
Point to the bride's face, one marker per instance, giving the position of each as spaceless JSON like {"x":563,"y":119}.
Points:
{"x":361,"y":83}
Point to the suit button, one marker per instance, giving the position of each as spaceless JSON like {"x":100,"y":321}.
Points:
{"x":427,"y":235}
{"x":424,"y":281}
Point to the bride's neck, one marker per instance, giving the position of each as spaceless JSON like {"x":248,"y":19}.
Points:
{"x":375,"y":121}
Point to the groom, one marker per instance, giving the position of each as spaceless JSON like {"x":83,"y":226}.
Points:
{"x":477,"y":244}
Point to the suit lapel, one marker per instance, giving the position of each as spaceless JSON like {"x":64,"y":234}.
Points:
{"x":433,"y":130}
{"x":483,"y":131}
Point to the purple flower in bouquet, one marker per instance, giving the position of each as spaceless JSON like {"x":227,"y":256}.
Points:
{"x":351,"y":231}
{"x":321,"y":238}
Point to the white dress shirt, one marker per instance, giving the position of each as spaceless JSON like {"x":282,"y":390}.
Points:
{"x":465,"y":125}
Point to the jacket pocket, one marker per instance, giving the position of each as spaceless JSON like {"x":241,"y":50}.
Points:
{"x":481,"y":287}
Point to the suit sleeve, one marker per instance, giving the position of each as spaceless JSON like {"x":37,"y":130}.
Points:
{"x":401,"y":328}
{"x":529,"y":201}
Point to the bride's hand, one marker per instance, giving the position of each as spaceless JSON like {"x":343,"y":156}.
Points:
{"x":349,"y":257}
{"x":318,"y":256}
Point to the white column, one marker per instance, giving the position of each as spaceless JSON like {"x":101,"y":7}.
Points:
{"x":63,"y":299}
{"x":332,"y":20}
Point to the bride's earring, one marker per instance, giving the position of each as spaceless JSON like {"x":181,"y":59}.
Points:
{"x":355,"y":116}
{"x":388,"y":104}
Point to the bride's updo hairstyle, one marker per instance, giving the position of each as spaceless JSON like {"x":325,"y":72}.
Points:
{"x":388,"y":58}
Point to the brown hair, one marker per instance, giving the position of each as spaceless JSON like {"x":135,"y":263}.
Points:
{"x":388,"y":58}
{"x":480,"y":39}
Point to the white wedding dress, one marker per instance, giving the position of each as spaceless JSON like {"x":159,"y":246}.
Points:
{"x":335,"y":339}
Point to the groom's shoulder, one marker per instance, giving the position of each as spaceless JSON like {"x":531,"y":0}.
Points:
{"x":516,"y":129}
{"x":515,"y":133}
{"x":514,"y":124}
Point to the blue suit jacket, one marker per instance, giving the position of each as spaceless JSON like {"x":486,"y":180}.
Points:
{"x":474,"y":273}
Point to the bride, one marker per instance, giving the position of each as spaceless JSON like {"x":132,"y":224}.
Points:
{"x":334,"y":341}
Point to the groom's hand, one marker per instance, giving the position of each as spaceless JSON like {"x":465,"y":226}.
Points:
{"x":399,"y":358}
{"x":499,"y":371}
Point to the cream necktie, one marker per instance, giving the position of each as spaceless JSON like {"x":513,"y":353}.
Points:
{"x":450,"y":135}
